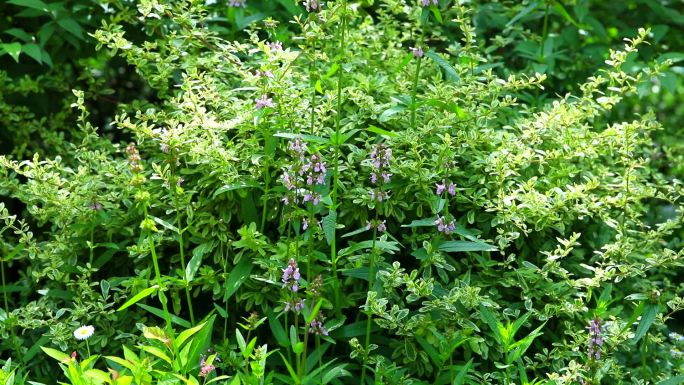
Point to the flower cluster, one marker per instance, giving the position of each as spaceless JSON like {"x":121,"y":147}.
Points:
{"x":237,"y":3}
{"x":295,"y":305}
{"x":426,"y":3}
{"x":378,"y":225}
{"x":291,"y":276}
{"x":380,"y":157}
{"x":303,"y":175}
{"x":316,"y":327}
{"x":449,"y":187}
{"x":417,"y":51}
{"x":275,"y":45}
{"x":134,"y":158}
{"x":207,"y":366}
{"x":445,"y":227}
{"x":595,"y":339}
{"x":312,"y":5}
{"x":264,"y":102}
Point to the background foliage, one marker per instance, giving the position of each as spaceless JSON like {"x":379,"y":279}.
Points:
{"x":151,"y":148}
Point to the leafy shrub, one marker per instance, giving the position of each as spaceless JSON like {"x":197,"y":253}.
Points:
{"x":362,"y":192}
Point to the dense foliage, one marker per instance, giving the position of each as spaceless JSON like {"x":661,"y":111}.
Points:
{"x":343,"y":192}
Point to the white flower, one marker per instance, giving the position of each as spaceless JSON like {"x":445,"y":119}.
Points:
{"x":84,"y":332}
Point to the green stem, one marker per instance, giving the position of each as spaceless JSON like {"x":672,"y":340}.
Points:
{"x":336,"y":170}
{"x":371,"y":281}
{"x":182,"y":257}
{"x":320,"y":359}
{"x":545,"y":31}
{"x":162,"y":297}
{"x":92,"y":247}
{"x":414,"y":94}
{"x":225,"y":275}
{"x":4,"y":286}
{"x":88,"y":348}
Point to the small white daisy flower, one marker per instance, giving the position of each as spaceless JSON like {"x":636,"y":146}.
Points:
{"x":84,"y":332}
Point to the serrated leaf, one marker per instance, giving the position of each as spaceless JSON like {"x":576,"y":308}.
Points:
{"x":329,"y":225}
{"x":459,"y":246}
{"x":451,"y":73}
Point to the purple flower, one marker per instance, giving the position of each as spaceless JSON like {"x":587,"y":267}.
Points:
{"x":382,"y":227}
{"x":595,"y":339}
{"x":264,"y":74}
{"x":311,"y":5}
{"x":305,"y":223}
{"x":316,"y":327}
{"x":275,"y":46}
{"x":417,"y":51}
{"x":445,"y":227}
{"x":263,"y":102}
{"x":440,"y":188}
{"x":205,"y":369}
{"x":426,"y":3}
{"x":291,"y":276}
{"x":237,"y":3}
{"x":296,"y":305}
{"x":96,"y":206}
{"x":452,"y":189}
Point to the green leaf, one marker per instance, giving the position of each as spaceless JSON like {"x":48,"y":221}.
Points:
{"x":143,"y":294}
{"x":196,"y":260}
{"x":329,"y":226}
{"x":56,"y":354}
{"x":294,"y":375}
{"x":291,"y":6}
{"x":237,"y":276}
{"x":13,"y":49}
{"x":19,"y":34}
{"x":461,"y":376}
{"x":647,"y":318}
{"x":185,"y":334}
{"x":235,"y":186}
{"x":71,"y":26}
{"x":34,"y":4}
{"x":458,"y":246}
{"x":561,"y":11}
{"x":492,"y":322}
{"x":678,"y":380}
{"x":160,"y":313}
{"x":388,"y":113}
{"x":314,"y":312}
{"x":451,"y":74}
{"x":304,"y":137}
{"x":524,"y":12}
{"x":277,"y":329}
{"x":336,"y":372}
{"x":382,"y":132}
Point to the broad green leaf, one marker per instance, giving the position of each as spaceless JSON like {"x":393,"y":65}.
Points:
{"x":451,"y":74}
{"x":186,"y":334}
{"x":293,"y":374}
{"x":388,"y":113}
{"x":237,"y":276}
{"x":458,"y":246}
{"x":12,"y":49}
{"x":160,"y":313}
{"x":524,"y":12}
{"x":155,"y":351}
{"x":647,"y":318}
{"x":461,"y":376}
{"x":35,"y":4}
{"x":382,"y":132}
{"x":335,"y":373}
{"x":492,"y":322}
{"x":677,"y":380}
{"x":71,"y":26}
{"x":138,"y":297}
{"x":561,"y":11}
{"x":329,"y":225}
{"x":56,"y":354}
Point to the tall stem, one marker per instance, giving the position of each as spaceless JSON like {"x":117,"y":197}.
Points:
{"x":4,"y":286}
{"x":182,"y":257}
{"x":336,"y":171}
{"x":371,"y":281}
{"x":162,"y":297}
{"x":545,"y":32}
{"x":414,"y":93}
